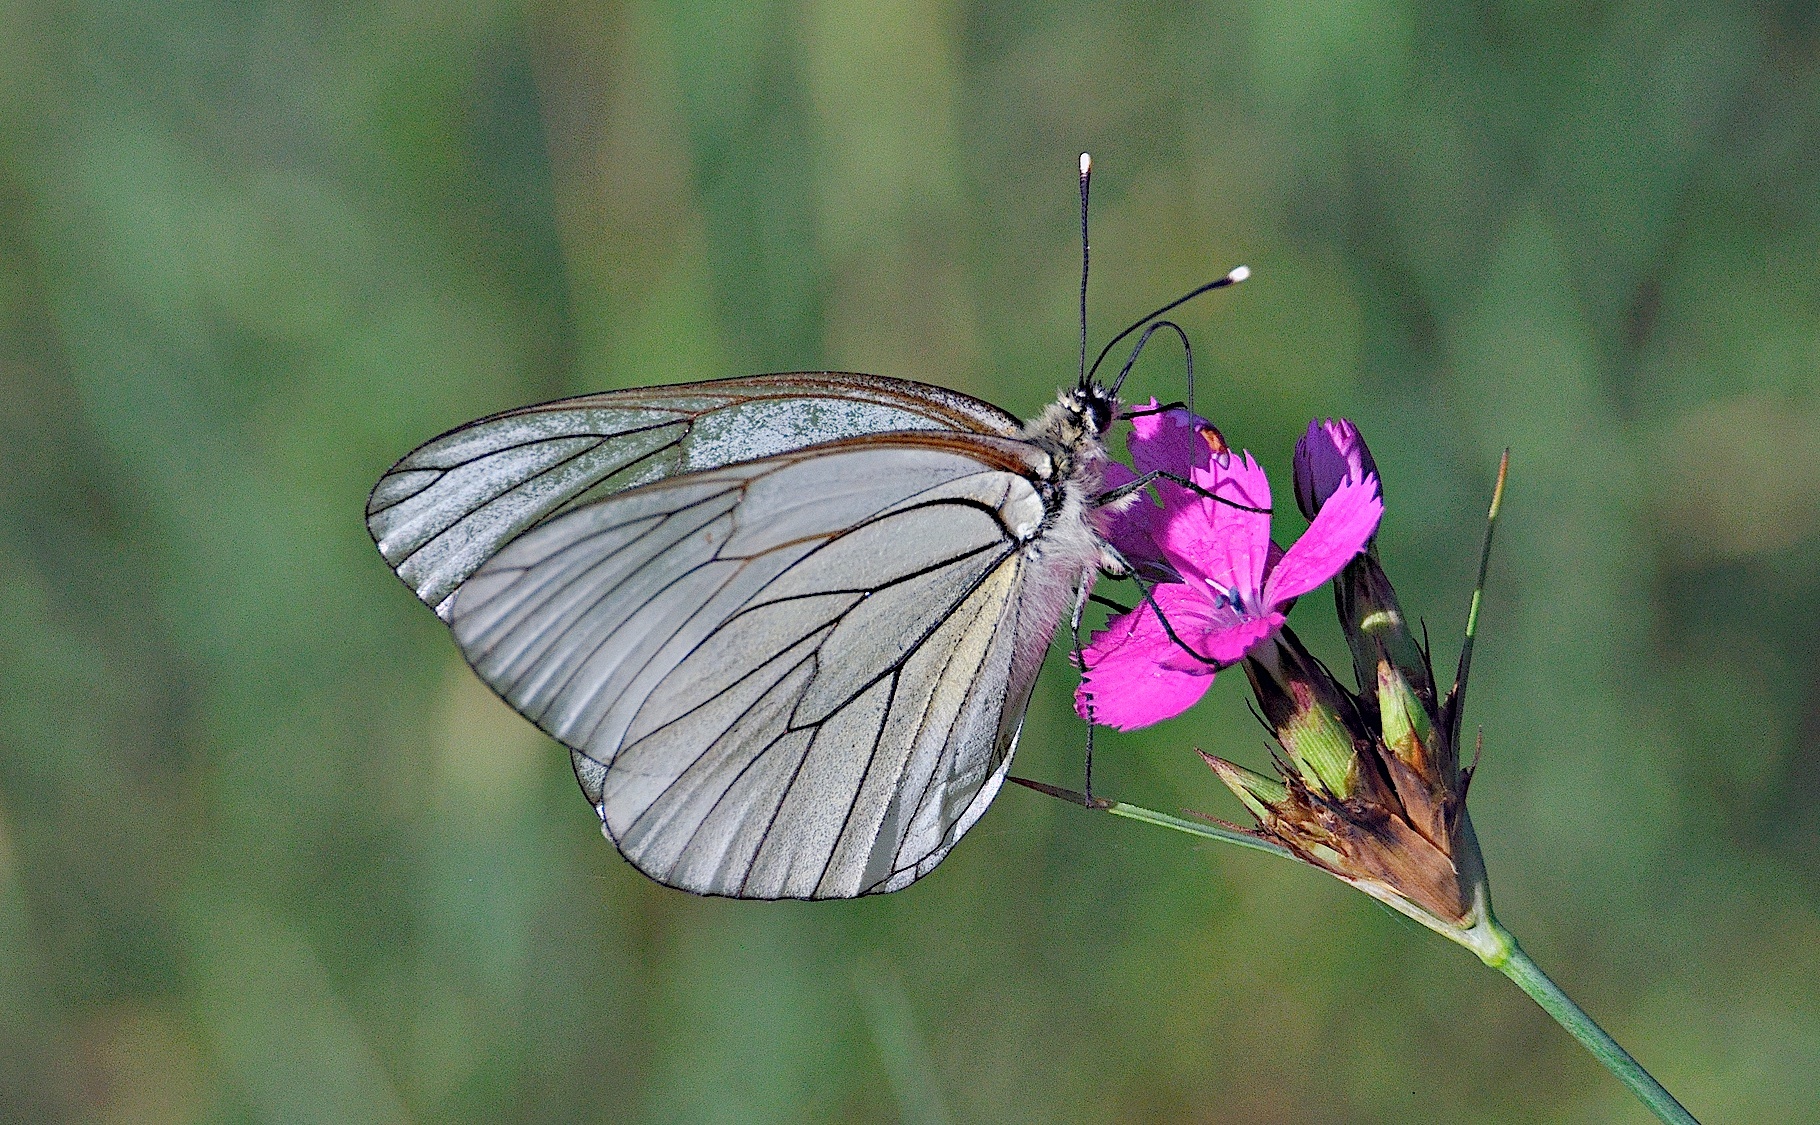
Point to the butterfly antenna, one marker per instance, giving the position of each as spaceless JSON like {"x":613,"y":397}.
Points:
{"x":1238,"y":274}
{"x":1086,"y":178}
{"x":1138,"y":348}
{"x":1188,"y":358}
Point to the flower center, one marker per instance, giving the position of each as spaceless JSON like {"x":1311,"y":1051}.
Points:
{"x":1232,"y":599}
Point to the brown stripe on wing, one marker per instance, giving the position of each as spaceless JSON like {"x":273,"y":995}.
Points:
{"x":939,"y":404}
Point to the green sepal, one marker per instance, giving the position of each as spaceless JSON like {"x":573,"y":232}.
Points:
{"x":1259,"y":793}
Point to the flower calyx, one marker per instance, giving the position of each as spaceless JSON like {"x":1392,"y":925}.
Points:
{"x":1370,"y":788}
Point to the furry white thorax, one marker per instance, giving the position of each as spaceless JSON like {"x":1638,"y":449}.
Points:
{"x":1075,"y":531}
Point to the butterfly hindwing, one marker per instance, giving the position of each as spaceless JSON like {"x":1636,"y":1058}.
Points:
{"x":795,"y":677}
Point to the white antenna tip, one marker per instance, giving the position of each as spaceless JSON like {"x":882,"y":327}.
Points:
{"x":1239,"y":273}
{"x":1086,"y":164}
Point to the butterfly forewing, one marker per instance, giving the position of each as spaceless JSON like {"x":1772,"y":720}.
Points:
{"x":799,"y":676}
{"x":450,"y":505}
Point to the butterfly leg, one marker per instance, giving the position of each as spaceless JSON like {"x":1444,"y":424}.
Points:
{"x":1114,"y":496}
{"x":1083,"y":589}
{"x":1144,"y":588}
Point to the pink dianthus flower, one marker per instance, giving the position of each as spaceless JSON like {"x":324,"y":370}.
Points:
{"x":1229,"y":586}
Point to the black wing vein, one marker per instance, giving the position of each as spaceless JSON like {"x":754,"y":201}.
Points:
{"x":787,"y":699}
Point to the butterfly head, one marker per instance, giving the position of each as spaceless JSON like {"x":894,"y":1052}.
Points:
{"x":1093,"y":405}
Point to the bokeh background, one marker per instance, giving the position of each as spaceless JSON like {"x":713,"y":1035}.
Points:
{"x":269,"y":853}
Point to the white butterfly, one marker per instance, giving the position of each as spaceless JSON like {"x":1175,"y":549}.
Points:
{"x":787,"y":625}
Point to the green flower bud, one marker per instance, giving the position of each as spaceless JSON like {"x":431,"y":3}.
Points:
{"x":1376,"y":629}
{"x":1312,"y":715}
{"x":1321,"y":747}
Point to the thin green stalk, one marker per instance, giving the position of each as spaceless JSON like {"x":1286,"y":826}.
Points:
{"x":1515,"y":964}
{"x":1455,"y":705}
{"x":1498,"y":949}
{"x":1205,"y":830}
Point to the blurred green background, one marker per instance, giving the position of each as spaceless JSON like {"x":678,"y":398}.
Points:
{"x":268,"y":852}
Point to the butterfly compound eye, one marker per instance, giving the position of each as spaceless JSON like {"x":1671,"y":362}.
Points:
{"x":1100,"y":410}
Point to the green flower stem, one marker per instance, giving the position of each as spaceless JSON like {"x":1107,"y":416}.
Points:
{"x":1203,"y":829}
{"x":1495,"y":946}
{"x":1515,"y":964}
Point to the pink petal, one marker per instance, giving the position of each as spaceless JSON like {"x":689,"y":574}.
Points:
{"x":1229,"y":645}
{"x":1127,"y":684}
{"x":1193,"y":615}
{"x":1340,"y":530}
{"x":1215,"y":541}
{"x":1169,"y":441}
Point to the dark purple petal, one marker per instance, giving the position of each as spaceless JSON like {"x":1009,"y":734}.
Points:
{"x":1330,"y":452}
{"x":1130,"y":528}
